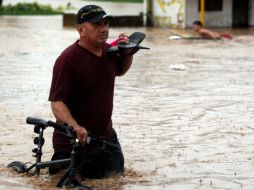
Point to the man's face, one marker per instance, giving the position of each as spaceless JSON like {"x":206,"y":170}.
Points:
{"x":195,"y":27}
{"x":96,"y":33}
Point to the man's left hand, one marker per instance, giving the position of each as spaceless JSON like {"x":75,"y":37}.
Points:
{"x":123,"y":38}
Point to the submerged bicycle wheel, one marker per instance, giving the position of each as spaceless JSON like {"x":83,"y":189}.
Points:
{"x":17,"y":166}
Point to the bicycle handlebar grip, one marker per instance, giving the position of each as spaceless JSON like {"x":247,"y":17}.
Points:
{"x":36,"y":121}
{"x":66,"y":130}
{"x":58,"y":126}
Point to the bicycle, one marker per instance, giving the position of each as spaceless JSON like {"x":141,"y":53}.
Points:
{"x":68,"y":180}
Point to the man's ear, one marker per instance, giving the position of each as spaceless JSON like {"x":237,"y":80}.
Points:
{"x":79,"y":28}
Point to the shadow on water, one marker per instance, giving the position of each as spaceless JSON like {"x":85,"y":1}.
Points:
{"x":183,"y":113}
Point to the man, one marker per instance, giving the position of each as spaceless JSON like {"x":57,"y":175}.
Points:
{"x":197,"y":27}
{"x":82,"y":92}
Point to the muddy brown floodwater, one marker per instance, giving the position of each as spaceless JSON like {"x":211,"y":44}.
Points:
{"x":184,"y":112}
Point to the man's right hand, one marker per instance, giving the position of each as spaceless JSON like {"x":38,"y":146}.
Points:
{"x":62,"y":114}
{"x":81,"y":133}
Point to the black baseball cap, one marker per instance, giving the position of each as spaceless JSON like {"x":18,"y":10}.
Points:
{"x":92,"y":14}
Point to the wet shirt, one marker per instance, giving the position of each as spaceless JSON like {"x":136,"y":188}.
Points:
{"x":85,"y":83}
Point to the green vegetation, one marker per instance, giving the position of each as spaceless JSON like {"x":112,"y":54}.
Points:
{"x":122,"y":1}
{"x":39,"y":9}
{"x":30,"y":9}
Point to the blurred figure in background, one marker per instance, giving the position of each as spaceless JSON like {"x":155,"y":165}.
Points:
{"x":198,"y":28}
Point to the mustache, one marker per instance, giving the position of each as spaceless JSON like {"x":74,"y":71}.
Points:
{"x":103,"y":36}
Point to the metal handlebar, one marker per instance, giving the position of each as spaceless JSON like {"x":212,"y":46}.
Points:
{"x":68,"y":131}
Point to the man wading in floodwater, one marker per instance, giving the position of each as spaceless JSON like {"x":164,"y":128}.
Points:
{"x":82,"y":92}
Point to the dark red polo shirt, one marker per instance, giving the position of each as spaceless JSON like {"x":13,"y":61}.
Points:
{"x":85,"y":83}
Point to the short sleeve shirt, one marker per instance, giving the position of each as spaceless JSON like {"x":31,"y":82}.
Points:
{"x":85,"y":83}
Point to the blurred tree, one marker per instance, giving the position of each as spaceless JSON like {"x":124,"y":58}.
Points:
{"x":1,"y":3}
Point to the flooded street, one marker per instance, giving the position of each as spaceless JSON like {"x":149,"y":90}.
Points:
{"x":184,"y":112}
